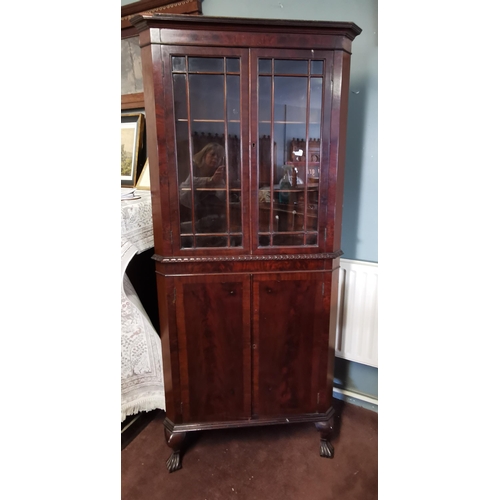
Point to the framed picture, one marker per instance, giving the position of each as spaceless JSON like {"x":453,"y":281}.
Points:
{"x":132,"y":141}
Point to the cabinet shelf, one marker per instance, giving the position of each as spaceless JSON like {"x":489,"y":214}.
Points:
{"x":223,"y":189}
{"x":203,"y":120}
{"x":296,"y":189}
{"x":288,"y":122}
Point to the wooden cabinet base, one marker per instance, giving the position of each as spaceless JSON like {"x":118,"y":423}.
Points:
{"x":175,"y":435}
{"x":246,"y":229}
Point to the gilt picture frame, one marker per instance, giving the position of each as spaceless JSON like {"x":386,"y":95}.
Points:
{"x":132,"y":131}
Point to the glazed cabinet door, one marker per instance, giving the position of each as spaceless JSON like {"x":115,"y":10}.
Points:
{"x":206,"y":158}
{"x":290,"y":341}
{"x":291,"y":101}
{"x":212,"y":322}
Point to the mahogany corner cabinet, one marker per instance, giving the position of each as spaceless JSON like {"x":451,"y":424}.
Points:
{"x":246,"y":132}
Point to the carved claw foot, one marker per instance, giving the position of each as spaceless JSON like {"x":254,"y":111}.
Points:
{"x":175,"y":441}
{"x":174,"y":462}
{"x":325,"y":449}
{"x":325,"y":429}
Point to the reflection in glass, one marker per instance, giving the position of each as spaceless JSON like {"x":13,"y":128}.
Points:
{"x":264,"y":240}
{"x":312,"y":239}
{"x":317,"y":67}
{"x":233,"y":65}
{"x":208,"y":147}
{"x":265,"y":66}
{"x":235,"y":212}
{"x":315,"y":107}
{"x":186,"y":241}
{"x":236,"y":241}
{"x":290,"y":67}
{"x":233,"y":97}
{"x":180,"y":101}
{"x":290,"y":101}
{"x":206,"y":190}
{"x":288,"y":240}
{"x":264,"y":99}
{"x":207,"y":98}
{"x":206,"y":64}
{"x":210,"y":241}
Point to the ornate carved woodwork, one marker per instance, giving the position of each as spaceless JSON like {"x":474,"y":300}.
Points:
{"x":247,"y":233}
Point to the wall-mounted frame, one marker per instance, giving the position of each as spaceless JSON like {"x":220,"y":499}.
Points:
{"x":156,"y":6}
{"x":132,"y":132}
{"x":132,"y":86}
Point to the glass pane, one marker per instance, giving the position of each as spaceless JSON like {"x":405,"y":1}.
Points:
{"x":312,"y":239}
{"x":290,"y":111}
{"x":317,"y":67}
{"x":289,"y":67}
{"x":312,"y":210}
{"x":315,"y":107}
{"x":236,"y":241}
{"x":182,"y":140}
{"x":264,"y":98}
{"x":264,"y":240}
{"x":211,"y":241}
{"x":206,"y":191}
{"x":288,"y":210}
{"x":180,"y":101}
{"x":289,"y":114}
{"x":207,"y":99}
{"x":288,"y":240}
{"x":235,"y":225}
{"x":234,"y":135}
{"x":178,"y":63}
{"x":265,"y":66}
{"x":210,"y":207}
{"x":208,"y":64}
{"x":232,"y":65}
{"x":264,"y":209}
{"x":187,"y":242}
{"x":234,"y":158}
{"x":265,"y":153}
{"x":209,"y":174}
{"x":233,"y":97}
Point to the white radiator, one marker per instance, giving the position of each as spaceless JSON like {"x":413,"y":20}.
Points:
{"x":357,"y":325}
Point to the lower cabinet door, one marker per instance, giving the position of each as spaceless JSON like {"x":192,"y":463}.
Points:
{"x":213,"y":332}
{"x":290,"y":343}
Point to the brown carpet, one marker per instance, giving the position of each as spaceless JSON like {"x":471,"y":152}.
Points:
{"x":275,"y":462}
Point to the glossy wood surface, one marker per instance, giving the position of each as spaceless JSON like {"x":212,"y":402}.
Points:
{"x":289,"y":326}
{"x":213,"y":329}
{"x":248,"y":331}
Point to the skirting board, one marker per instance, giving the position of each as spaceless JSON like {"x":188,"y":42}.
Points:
{"x":356,"y":399}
